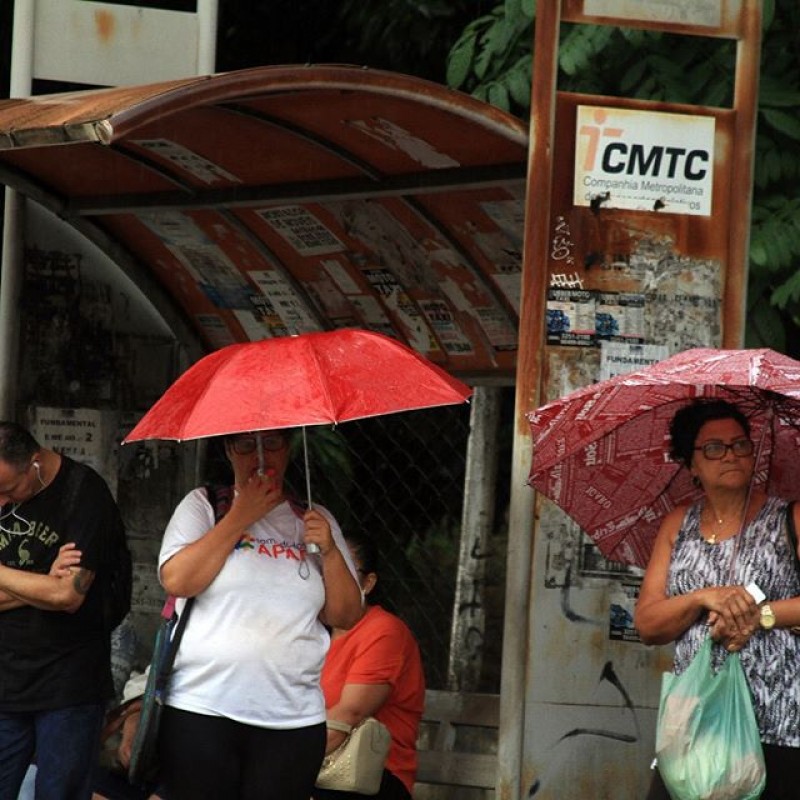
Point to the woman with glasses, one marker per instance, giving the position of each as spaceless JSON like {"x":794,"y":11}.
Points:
{"x":710,"y":565}
{"x":245,"y":713}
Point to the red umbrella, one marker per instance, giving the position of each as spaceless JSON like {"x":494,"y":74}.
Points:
{"x":293,"y":381}
{"x":600,"y":453}
{"x":290,"y":381}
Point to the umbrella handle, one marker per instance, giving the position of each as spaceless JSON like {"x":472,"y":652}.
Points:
{"x":310,"y":548}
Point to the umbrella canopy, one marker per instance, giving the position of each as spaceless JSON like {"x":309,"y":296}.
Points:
{"x":291,"y":381}
{"x":601,"y":452}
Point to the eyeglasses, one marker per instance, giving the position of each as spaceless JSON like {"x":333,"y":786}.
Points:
{"x":245,"y":445}
{"x":715,"y":451}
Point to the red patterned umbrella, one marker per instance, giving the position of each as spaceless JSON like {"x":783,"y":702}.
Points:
{"x":600,"y":453}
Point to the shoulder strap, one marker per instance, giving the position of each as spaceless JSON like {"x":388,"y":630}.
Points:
{"x":792,"y":533}
{"x":220,"y":498}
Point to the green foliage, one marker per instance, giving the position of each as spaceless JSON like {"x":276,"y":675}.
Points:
{"x":328,"y":458}
{"x":493,"y":61}
{"x":410,"y":36}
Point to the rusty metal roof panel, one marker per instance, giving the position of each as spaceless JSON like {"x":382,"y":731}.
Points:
{"x":284,"y":199}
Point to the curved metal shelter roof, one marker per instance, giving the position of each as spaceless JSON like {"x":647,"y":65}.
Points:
{"x":288,"y":199}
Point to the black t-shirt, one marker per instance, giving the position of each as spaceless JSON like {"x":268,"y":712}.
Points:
{"x":52,"y":659}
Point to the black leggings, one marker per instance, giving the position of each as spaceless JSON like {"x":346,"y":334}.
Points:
{"x":783,"y":769}
{"x":392,"y":788}
{"x":211,"y":758}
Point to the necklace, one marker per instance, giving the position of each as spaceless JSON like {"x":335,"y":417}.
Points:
{"x":720,"y":521}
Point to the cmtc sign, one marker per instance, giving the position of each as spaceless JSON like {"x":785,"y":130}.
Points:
{"x":644,"y":160}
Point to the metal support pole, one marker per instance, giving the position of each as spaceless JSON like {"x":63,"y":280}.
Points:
{"x":748,"y":56}
{"x":513,"y":782}
{"x":207,"y":19}
{"x":13,"y":221}
{"x":469,"y":608}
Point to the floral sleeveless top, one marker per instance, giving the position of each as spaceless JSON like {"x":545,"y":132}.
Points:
{"x":770,"y":659}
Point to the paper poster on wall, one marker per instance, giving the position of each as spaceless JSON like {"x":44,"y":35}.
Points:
{"x":216,"y":275}
{"x":396,"y":138}
{"x":644,"y":160}
{"x":440,"y":316}
{"x":397,"y":300}
{"x":284,"y":301}
{"x":373,"y":314}
{"x":570,"y":317}
{"x":620,"y":317}
{"x":307,"y":234}
{"x":386,"y":241}
{"x":509,"y":216}
{"x":260,"y":323}
{"x":487,"y":313}
{"x":340,"y":276}
{"x":511,"y":287}
{"x":175,"y":228}
{"x":619,"y":358}
{"x":214,"y":330}
{"x":621,"y":611}
{"x":75,"y":432}
{"x":684,"y":308}
{"x":182,"y":157}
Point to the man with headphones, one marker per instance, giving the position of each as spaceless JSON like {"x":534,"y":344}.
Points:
{"x":55,"y":673}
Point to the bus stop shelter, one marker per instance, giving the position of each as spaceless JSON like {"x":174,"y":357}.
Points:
{"x":284,"y":199}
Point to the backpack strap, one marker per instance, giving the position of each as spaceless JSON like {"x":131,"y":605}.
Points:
{"x":220,"y":497}
{"x":792,"y":530}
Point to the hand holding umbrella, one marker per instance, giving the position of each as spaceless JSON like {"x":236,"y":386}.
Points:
{"x":317,"y":532}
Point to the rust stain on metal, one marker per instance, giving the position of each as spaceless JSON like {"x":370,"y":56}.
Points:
{"x":104,"y":24}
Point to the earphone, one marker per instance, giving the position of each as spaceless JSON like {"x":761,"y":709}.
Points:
{"x":38,"y":470}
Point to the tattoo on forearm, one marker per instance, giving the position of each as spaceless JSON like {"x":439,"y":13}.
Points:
{"x":82,"y":580}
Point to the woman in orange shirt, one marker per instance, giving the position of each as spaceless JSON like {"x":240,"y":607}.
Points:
{"x":374,"y":669}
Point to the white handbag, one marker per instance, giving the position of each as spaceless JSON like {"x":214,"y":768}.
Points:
{"x":356,"y":765}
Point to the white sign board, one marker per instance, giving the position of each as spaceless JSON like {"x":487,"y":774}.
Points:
{"x":644,"y":160}
{"x":683,"y":12}
{"x":103,"y":44}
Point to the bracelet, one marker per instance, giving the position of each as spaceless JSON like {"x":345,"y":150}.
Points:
{"x":336,"y":725}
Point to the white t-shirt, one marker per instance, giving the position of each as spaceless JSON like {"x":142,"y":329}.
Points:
{"x":253,"y":647}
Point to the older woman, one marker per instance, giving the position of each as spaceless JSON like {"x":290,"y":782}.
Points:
{"x":705,"y":556}
{"x":245,"y":715}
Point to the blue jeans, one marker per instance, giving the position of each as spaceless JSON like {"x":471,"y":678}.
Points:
{"x":65,"y":742}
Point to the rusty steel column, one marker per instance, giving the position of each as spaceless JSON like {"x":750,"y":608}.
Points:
{"x":516,"y":629}
{"x":745,"y":103}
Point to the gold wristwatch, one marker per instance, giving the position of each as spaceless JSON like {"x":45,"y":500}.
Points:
{"x":767,"y":617}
